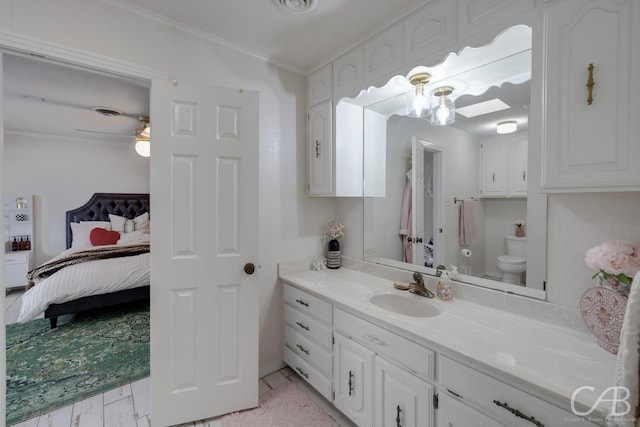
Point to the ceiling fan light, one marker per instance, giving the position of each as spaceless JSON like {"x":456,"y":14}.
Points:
{"x":143,"y":147}
{"x":146,"y":132}
{"x":508,"y":126}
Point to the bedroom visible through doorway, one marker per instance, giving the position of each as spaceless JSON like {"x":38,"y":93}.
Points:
{"x":62,"y":163}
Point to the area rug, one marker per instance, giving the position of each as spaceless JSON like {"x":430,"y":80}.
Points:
{"x":84,"y":356}
{"x":285,"y":406}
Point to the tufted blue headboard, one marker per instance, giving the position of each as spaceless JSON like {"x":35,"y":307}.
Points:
{"x":100,"y":205}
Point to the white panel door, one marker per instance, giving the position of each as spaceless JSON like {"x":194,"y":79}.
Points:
{"x":204,"y":311}
{"x":3,"y":359}
{"x":417,"y":204}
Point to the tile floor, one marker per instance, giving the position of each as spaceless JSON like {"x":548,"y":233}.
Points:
{"x":129,"y":406}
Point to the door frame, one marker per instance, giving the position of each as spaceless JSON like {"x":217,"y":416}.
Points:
{"x":19,"y":44}
{"x":439,"y":240}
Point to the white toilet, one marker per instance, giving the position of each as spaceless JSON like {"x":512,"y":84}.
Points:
{"x":514,"y":263}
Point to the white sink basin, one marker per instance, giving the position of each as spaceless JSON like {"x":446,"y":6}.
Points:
{"x":406,"y":304}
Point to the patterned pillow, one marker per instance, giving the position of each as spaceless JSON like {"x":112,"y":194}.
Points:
{"x":125,"y":225}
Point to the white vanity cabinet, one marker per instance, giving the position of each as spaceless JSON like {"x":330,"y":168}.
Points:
{"x":590,"y":138}
{"x":479,"y":396}
{"x":380,"y":376}
{"x":453,"y":413}
{"x":353,"y":380}
{"x":503,"y":166}
{"x":309,"y":338}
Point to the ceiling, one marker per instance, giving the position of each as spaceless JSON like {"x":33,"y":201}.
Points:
{"x":42,"y":97}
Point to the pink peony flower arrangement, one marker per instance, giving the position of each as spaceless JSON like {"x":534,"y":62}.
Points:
{"x":617,"y":259}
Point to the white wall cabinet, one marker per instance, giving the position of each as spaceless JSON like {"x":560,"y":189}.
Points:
{"x":320,"y":149}
{"x":19,"y":239}
{"x":503,"y":166}
{"x":320,"y":85}
{"x":590,"y":145}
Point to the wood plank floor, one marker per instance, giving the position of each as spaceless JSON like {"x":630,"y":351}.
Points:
{"x":130,"y":405}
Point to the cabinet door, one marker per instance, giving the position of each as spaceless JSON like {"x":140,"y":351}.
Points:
{"x":352,"y":380}
{"x":401,"y":399}
{"x":15,"y":269}
{"x":320,"y":85}
{"x":320,"y":150}
{"x":452,"y":413}
{"x":494,"y":169}
{"x":518,"y":164}
{"x":591,"y":143}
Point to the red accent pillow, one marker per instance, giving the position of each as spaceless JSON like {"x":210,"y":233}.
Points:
{"x":102,"y":236}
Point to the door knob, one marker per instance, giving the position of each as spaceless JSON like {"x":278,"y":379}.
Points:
{"x":249,"y":268}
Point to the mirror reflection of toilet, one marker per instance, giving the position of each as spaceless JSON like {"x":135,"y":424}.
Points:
{"x":514,"y":263}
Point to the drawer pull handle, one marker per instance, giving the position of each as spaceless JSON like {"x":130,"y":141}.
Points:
{"x":302,"y":349}
{"x":301,"y":302}
{"x":302,"y":325}
{"x":374,"y":340}
{"x":350,"y":383}
{"x":518,"y":414}
{"x":398,"y":417}
{"x":302,"y":372}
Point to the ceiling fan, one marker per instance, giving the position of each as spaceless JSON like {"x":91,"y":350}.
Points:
{"x":142,"y":133}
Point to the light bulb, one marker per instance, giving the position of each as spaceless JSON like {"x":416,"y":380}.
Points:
{"x":143,"y":147}
{"x":420,"y":105}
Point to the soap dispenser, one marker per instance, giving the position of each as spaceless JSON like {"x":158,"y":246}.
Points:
{"x":443,"y":287}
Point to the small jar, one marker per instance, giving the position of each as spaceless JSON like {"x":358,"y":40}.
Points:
{"x":444,"y":290}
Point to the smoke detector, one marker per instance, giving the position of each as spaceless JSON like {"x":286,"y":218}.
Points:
{"x":296,"y":6}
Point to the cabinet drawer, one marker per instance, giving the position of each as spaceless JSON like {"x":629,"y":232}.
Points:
{"x":492,"y":397}
{"x":309,"y":373}
{"x":308,"y":304}
{"x":419,"y":360}
{"x":308,"y":350}
{"x":308,"y":326}
{"x":15,"y":258}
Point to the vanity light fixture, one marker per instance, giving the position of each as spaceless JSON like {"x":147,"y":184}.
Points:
{"x":443,"y":111}
{"x":419,"y":105}
{"x":508,"y":126}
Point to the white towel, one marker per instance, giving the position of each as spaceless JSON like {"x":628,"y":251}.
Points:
{"x":467,"y":227}
{"x":628,"y":361}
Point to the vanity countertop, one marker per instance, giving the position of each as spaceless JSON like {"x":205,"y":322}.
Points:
{"x":541,"y":358}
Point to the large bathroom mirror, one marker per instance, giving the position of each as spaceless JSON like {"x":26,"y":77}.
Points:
{"x":454,"y":194}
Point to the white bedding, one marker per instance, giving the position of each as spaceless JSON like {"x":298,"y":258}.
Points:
{"x":85,"y":279}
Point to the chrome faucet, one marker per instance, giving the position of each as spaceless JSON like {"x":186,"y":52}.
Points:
{"x":418,"y":287}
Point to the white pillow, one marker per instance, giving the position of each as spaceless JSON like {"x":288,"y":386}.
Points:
{"x":133,"y":238}
{"x":125,"y":225}
{"x":80,"y":232}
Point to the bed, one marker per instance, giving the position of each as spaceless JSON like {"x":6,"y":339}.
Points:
{"x":119,"y":279}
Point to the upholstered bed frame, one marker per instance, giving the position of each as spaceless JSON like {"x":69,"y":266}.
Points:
{"x":98,"y":208}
